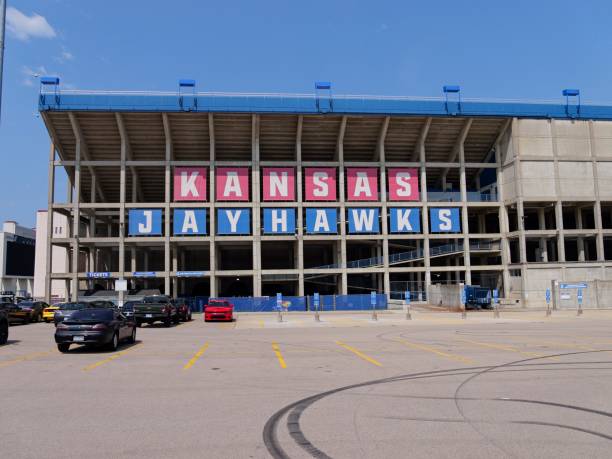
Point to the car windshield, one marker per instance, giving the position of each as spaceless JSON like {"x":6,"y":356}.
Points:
{"x":218,"y":303}
{"x":155,"y":299}
{"x":93,"y":314}
{"x":72,"y":306}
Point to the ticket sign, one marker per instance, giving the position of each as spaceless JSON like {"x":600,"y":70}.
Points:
{"x":232,"y":183}
{"x":189,"y":221}
{"x":233,"y":221}
{"x":145,"y":222}
{"x":320,"y":183}
{"x":321,"y":221}
{"x":403,"y":184}
{"x":279,"y":221}
{"x":278,"y":184}
{"x":190,"y":183}
{"x":444,"y":220}
{"x":363,"y":220}
{"x":362,"y":184}
{"x":405,"y":220}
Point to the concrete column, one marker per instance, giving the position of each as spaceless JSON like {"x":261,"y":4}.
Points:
{"x":464,"y":215}
{"x":386,"y":287}
{"x":425,"y":215}
{"x":503,"y":221}
{"x":542,"y":226}
{"x":76,"y":217}
{"x":599,"y":241}
{"x":212,"y":214}
{"x":49,"y":235}
{"x":122,"y":229}
{"x":300,"y":209}
{"x":579,"y":225}
{"x":340,"y":153}
{"x":175,"y":290}
{"x":256,"y":206}
{"x":167,"y":194}
{"x":560,"y":232}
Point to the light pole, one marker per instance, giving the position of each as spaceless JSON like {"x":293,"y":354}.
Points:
{"x":2,"y":27}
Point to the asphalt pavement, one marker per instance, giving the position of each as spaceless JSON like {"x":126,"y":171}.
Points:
{"x":436,"y":386}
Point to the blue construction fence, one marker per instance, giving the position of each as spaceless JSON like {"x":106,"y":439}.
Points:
{"x":356,"y":302}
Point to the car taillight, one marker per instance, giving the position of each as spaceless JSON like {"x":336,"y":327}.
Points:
{"x":99,"y":327}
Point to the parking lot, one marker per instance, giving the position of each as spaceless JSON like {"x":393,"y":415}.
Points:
{"x":522,"y":385}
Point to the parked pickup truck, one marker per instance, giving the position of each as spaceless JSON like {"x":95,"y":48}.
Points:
{"x":158,"y":308}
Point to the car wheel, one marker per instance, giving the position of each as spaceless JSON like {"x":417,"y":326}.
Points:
{"x":4,"y":332}
{"x":63,"y":347}
{"x":114,"y":344}
{"x":132,"y":339}
{"x":167,"y":322}
{"x":189,"y":318}
{"x":176,"y":319}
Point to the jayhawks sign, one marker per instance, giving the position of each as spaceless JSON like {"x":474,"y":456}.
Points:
{"x":233,"y":221}
{"x":405,"y":220}
{"x":145,"y":222}
{"x":321,"y":221}
{"x":279,"y":221}
{"x":363,"y":220}
{"x":444,"y":220}
{"x":403,"y":184}
{"x":189,"y":222}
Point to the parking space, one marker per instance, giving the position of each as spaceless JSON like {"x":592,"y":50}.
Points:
{"x":205,"y":387}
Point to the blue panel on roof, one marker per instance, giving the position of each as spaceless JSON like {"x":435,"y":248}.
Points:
{"x":322,"y":85}
{"x":571,"y":92}
{"x":187,"y":83}
{"x":49,"y":80}
{"x":451,"y":88}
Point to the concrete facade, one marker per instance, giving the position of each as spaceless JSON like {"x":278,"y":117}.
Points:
{"x":59,"y":257}
{"x":515,"y":182}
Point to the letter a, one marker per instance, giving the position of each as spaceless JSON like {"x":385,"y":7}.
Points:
{"x":232,"y":185}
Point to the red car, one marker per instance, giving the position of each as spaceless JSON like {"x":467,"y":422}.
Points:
{"x":219,"y":310}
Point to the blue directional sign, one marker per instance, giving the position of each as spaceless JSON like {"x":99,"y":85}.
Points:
{"x":190,"y":273}
{"x":315,"y":299}
{"x":189,"y":221}
{"x":407,"y":296}
{"x":363,"y":220}
{"x":579,"y":296}
{"x":97,"y":275}
{"x":405,"y":220}
{"x":373,"y":299}
{"x":321,"y":221}
{"x":444,"y":220}
{"x":279,"y":301}
{"x":578,"y":285}
{"x":145,"y":222}
{"x":144,"y":274}
{"x":233,"y":221}
{"x":279,"y":221}
{"x":548,"y":295}
{"x":495,"y":296}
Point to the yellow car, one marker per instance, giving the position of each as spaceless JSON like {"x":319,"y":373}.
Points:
{"x":49,"y":313}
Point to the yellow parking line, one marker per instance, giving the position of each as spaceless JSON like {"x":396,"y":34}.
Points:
{"x":359,"y":354}
{"x":110,"y":359}
{"x":504,"y":347}
{"x":23,"y":358}
{"x":279,"y":356}
{"x":196,"y":356}
{"x":433,"y":350}
{"x":261,"y":323}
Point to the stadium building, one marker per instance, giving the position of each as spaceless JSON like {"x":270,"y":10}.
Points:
{"x":253,"y":194}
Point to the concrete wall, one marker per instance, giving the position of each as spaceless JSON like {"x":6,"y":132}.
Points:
{"x":59,"y":257}
{"x":444,"y":295}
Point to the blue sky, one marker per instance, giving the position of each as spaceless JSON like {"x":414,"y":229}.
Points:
{"x":518,"y":49}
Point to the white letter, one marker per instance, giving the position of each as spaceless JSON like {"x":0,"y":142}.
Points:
{"x":189,"y":223}
{"x":403,"y":220}
{"x":362,"y":185}
{"x":402,"y":180}
{"x":232,"y":185}
{"x":188,"y":184}
{"x":276,"y":220}
{"x":365,"y":218}
{"x":147,"y":226}
{"x":319,"y":180}
{"x":321,"y":221}
{"x":279,"y":184}
{"x":233,"y":219}
{"x":444,"y":217}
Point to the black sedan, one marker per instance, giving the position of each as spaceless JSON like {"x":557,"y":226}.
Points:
{"x":65,"y":310}
{"x":95,"y":327}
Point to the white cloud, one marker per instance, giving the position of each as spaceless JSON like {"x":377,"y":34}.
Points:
{"x":64,"y":56}
{"x":24,"y":27}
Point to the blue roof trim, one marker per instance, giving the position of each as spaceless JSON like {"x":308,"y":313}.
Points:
{"x":278,"y":103}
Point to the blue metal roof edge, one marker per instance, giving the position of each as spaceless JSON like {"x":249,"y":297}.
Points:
{"x":278,"y":103}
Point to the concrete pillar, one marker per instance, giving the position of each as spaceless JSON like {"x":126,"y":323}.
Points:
{"x":340,"y":153}
{"x":542,"y":226}
{"x":560,"y":232}
{"x":464,"y":215}
{"x":579,"y":225}
{"x":212,"y":214}
{"x":49,"y":235}
{"x":299,"y":262}
{"x":76,"y":217}
{"x":256,"y":206}
{"x":425,"y":212}
{"x":482,"y":227}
